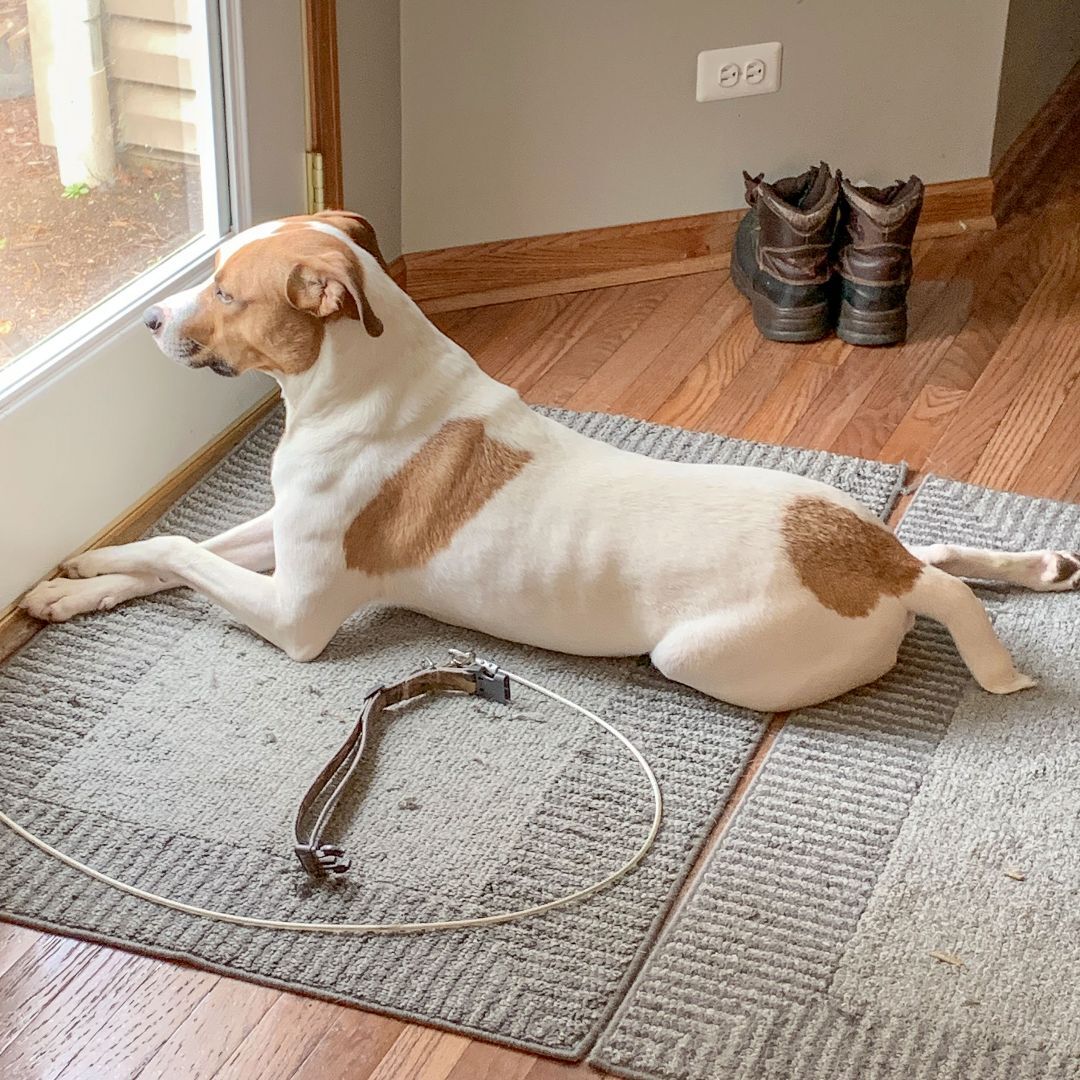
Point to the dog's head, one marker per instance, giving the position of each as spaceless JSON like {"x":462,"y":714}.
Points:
{"x":274,"y":290}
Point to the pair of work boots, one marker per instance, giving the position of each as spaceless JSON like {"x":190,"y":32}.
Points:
{"x":817,"y":252}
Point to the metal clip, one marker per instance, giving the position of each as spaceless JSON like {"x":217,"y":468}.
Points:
{"x":322,"y":860}
{"x":491,"y":681}
{"x":493,"y":684}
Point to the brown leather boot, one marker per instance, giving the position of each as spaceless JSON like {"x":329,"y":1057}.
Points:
{"x":873,"y":259}
{"x":781,"y":260}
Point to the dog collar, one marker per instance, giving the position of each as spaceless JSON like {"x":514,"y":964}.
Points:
{"x":463,"y":675}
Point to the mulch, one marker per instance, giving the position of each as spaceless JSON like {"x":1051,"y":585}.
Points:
{"x":60,"y":256}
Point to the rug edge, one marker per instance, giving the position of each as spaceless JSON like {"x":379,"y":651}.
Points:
{"x":672,"y":903}
{"x":595,"y":1052}
{"x":901,"y":465}
{"x":179,"y":956}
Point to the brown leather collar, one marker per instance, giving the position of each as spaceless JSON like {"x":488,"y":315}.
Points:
{"x":463,"y":675}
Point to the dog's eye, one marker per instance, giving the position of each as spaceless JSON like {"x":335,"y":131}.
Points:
{"x":222,"y":295}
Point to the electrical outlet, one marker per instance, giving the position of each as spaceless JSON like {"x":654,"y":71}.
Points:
{"x":739,"y":71}
{"x":728,"y":75}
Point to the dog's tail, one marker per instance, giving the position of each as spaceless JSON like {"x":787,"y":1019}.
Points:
{"x":949,"y":601}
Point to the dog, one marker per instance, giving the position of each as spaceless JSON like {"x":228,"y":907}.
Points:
{"x":406,"y":476}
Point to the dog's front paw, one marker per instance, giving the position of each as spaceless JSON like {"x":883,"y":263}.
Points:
{"x":143,"y":557}
{"x":91,"y":564}
{"x":61,"y":598}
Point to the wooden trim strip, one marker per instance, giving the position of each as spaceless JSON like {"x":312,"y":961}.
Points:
{"x":461,"y":277}
{"x":17,"y":628}
{"x":397,"y":271}
{"x":324,"y":95}
{"x":1015,"y":174}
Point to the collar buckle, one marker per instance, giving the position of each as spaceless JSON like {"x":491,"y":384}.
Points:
{"x":491,"y":681}
{"x":322,"y":860}
{"x":493,"y":684}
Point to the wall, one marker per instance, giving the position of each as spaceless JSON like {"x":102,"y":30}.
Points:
{"x":369,"y":57}
{"x":1042,"y":42}
{"x":531,"y":116}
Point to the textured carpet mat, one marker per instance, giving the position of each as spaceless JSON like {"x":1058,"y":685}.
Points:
{"x":166,"y":745}
{"x":899,"y":895}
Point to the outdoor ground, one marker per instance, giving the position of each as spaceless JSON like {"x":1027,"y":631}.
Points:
{"x":60,"y":256}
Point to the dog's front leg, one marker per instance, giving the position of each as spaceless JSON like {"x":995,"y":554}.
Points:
{"x":295,"y":616}
{"x":250,"y":544}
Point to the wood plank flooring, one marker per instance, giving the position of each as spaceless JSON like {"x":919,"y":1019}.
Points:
{"x":987,"y":388}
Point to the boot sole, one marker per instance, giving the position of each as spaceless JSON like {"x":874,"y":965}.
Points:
{"x":871,"y":327}
{"x":800,"y":325}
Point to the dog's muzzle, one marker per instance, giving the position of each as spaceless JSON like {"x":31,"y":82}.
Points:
{"x":216,"y":365}
{"x":182,"y":349}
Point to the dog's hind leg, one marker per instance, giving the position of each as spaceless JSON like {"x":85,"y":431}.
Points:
{"x":1043,"y":571}
{"x":951,"y":602}
{"x":250,"y":545}
{"x":773,"y":659}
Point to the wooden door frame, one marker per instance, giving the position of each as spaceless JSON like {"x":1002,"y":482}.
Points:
{"x":324,"y":95}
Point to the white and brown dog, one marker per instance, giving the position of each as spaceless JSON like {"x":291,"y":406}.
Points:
{"x":407,"y":476}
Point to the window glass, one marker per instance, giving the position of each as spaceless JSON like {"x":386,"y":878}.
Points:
{"x":108,"y":152}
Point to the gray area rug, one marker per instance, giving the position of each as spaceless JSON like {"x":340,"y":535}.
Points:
{"x":166,"y":745}
{"x":882,"y":828}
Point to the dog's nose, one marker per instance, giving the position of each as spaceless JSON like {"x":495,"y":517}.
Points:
{"x":152,"y":318}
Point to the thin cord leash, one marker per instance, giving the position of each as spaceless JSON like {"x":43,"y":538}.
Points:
{"x":326,"y":859}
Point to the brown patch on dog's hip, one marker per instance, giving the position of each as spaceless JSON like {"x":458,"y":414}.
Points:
{"x":419,"y":509}
{"x":847,"y":562}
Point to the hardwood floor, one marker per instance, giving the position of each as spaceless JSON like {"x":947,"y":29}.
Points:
{"x":986,"y":389}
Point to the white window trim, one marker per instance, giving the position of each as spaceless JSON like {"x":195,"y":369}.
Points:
{"x":96,"y":328}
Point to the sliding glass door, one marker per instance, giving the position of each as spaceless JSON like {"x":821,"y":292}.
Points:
{"x":134,"y":136}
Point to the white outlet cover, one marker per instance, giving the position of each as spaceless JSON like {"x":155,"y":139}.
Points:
{"x":709,"y":64}
{"x":729,"y":75}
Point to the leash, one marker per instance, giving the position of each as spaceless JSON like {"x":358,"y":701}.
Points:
{"x":464,"y":674}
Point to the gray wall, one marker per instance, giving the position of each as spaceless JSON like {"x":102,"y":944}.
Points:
{"x":1042,"y":42}
{"x":369,"y":55}
{"x":474,"y":120}
{"x":533,"y":116}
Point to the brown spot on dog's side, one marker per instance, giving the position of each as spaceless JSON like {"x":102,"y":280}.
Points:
{"x":847,"y":562}
{"x":419,"y":509}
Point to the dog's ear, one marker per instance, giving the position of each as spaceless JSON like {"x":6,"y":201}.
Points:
{"x":358,"y":229}
{"x":332,"y":284}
